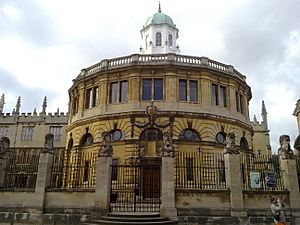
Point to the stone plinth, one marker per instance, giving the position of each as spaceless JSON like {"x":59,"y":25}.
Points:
{"x":168,"y":189}
{"x":103,"y":186}
{"x":234,"y":183}
{"x":43,"y":179}
{"x":290,"y":181}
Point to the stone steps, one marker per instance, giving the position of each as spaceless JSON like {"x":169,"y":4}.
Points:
{"x":131,"y":218}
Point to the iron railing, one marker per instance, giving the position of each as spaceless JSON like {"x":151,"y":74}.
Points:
{"x":75,"y":169}
{"x":200,"y":170}
{"x":261,"y":172}
{"x":21,"y":168}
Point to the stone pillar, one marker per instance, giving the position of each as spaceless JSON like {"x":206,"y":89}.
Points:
{"x":103,"y":186}
{"x":168,"y":189}
{"x":290,"y":181}
{"x":43,"y":178}
{"x":234,"y":183}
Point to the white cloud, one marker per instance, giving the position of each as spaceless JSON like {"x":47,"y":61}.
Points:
{"x":10,"y":11}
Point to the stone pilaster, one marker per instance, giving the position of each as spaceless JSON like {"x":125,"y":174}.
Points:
{"x":103,"y":186}
{"x":290,"y":181}
{"x":234,"y":183}
{"x":43,"y":179}
{"x":168,"y":189}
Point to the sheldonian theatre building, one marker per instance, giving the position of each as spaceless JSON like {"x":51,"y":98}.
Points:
{"x":156,"y":137}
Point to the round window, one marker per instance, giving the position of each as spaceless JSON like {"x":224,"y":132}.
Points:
{"x":116,"y":135}
{"x":221,"y":137}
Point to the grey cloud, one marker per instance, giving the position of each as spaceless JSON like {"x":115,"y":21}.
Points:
{"x":30,"y":97}
{"x":34,"y":24}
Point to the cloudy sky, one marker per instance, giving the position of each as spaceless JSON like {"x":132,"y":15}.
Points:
{"x":44,"y":45}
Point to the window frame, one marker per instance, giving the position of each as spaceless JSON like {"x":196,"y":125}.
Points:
{"x":117,"y":92}
{"x":170,"y":40}
{"x":158,"y":39}
{"x":153,"y":88}
{"x":27,"y":133}
{"x":56,"y":131}
{"x":219,"y":95}
{"x":91,"y":97}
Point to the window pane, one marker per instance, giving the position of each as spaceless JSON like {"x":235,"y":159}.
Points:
{"x":3,"y":131}
{"x":182,"y":90}
{"x":214,"y":94}
{"x":88,"y":98}
{"x":193,"y":91}
{"x":237,"y":101}
{"x":241,"y":104}
{"x":95,"y":97}
{"x":114,"y":92}
{"x":27,"y":133}
{"x":158,"y":89}
{"x":123,"y":91}
{"x":147,"y":87}
{"x":158,"y":39}
{"x":223,"y":96}
{"x":75,"y":105}
{"x":170,"y":40}
{"x":56,"y":131}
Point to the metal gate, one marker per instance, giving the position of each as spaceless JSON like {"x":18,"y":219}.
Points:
{"x":135,"y":188}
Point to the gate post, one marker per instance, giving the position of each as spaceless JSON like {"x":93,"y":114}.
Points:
{"x":43,"y":178}
{"x":103,"y":185}
{"x":103,"y":177}
{"x":233,"y":176}
{"x":290,"y":178}
{"x":290,"y":181}
{"x":168,"y":189}
{"x":167,"y":152}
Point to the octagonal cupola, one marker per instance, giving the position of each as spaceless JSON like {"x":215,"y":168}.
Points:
{"x":159,"y":35}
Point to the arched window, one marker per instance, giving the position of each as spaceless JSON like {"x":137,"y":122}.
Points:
{"x":170,"y":40}
{"x":158,"y":39}
{"x":87,"y":139}
{"x":189,"y":135}
{"x":244,"y":143}
{"x":151,"y":134}
{"x":70,"y":144}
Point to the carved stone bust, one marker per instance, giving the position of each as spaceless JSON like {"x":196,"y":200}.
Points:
{"x":285,"y":150}
{"x":167,"y":149}
{"x":105,"y":148}
{"x":230,"y":147}
{"x":48,"y":144}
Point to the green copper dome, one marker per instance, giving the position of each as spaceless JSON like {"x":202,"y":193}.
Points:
{"x":159,"y":18}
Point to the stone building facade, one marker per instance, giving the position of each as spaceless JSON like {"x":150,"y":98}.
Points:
{"x":155,"y":132}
